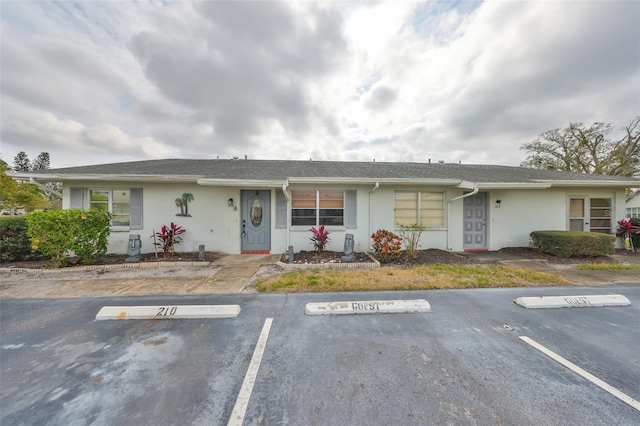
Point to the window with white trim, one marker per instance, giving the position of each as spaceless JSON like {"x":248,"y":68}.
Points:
{"x":600,"y":216}
{"x":630,"y":212}
{"x":419,"y":208}
{"x":115,"y":201}
{"x":314,"y":208}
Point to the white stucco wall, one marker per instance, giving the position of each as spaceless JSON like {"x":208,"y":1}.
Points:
{"x":212,"y":223}
{"x":634,"y":202}
{"x":524,"y":211}
{"x":217,"y":226}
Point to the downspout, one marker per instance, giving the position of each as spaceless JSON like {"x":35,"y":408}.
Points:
{"x":33,"y":181}
{"x":377,"y":185}
{"x":473,"y":192}
{"x":288,"y":198}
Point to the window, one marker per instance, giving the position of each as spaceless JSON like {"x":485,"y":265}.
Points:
{"x":600,"y":215}
{"x":632,"y":212}
{"x":313,"y":208}
{"x":116,"y":201}
{"x":421,"y":208}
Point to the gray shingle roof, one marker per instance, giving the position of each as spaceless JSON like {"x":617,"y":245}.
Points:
{"x":282,"y":169}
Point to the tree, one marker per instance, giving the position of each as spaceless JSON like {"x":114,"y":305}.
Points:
{"x":586,"y":150}
{"x":23,"y":194}
{"x":21,"y":162}
{"x":8,"y":187}
{"x":42,"y":162}
{"x":31,"y":198}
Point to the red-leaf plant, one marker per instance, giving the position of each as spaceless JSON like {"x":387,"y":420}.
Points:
{"x":629,"y":230}
{"x":169,"y":237}
{"x":320,"y":239}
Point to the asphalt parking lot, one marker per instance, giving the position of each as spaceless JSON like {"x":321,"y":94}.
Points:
{"x":465,"y":362}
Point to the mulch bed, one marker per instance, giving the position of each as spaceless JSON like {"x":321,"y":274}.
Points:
{"x":432,"y":256}
{"x":116,"y":259}
{"x":429,"y":256}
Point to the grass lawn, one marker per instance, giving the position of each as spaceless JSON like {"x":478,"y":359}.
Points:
{"x":423,"y":277}
{"x":607,"y":267}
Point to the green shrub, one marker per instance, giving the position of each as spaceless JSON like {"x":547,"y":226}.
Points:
{"x":573,"y":243}
{"x":59,"y":233}
{"x":15,"y":245}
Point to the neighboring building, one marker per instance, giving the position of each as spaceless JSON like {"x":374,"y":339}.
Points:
{"x":249,"y":206}
{"x":632,"y":206}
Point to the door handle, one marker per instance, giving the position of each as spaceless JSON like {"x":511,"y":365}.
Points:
{"x":244,"y":227}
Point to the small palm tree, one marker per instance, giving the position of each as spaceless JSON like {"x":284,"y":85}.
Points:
{"x":187,"y":197}
{"x":180,"y":203}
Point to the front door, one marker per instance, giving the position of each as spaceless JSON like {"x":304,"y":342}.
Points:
{"x":577,"y":214}
{"x":475,"y":222}
{"x":256,"y":221}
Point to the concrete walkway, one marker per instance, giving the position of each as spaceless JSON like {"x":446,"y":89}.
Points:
{"x":229,"y":274}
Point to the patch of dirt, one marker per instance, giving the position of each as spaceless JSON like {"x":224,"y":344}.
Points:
{"x":424,"y":256}
{"x":529,"y":253}
{"x":116,"y":259}
{"x":431,"y":256}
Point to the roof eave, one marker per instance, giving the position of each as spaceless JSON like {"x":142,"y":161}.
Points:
{"x":373,"y":180}
{"x":594,"y":183}
{"x":512,"y":185}
{"x":253,"y":183}
{"x":105,"y":177}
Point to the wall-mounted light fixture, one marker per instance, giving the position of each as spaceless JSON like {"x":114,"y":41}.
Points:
{"x":232,"y":204}
{"x":498,"y":203}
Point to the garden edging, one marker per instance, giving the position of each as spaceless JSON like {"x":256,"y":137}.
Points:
{"x":330,"y":265}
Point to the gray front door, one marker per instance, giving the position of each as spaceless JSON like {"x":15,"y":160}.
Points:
{"x":475,"y":222}
{"x":256,"y":221}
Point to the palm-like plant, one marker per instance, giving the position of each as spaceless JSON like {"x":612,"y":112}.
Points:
{"x":320,"y":239}
{"x":168,"y":238}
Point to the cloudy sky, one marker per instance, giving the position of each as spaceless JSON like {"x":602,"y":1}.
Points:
{"x":108,"y":81}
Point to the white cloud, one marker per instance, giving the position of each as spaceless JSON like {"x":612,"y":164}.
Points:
{"x":115,"y":81}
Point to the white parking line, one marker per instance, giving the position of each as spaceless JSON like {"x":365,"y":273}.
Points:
{"x":240,"y":408}
{"x":593,"y":379}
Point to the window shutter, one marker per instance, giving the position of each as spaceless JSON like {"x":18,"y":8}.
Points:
{"x":351,"y":209}
{"x":281,"y":210}
{"x":136,"y":208}
{"x":76,"y":198}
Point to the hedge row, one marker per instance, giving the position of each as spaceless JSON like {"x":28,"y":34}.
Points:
{"x":573,"y":243}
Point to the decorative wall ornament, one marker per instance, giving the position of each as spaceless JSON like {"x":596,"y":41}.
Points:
{"x":183,"y":203}
{"x":256,"y":212}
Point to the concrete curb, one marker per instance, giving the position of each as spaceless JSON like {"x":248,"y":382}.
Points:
{"x":84,"y":268}
{"x":167,"y":312}
{"x":588,"y":301}
{"x":368,"y":307}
